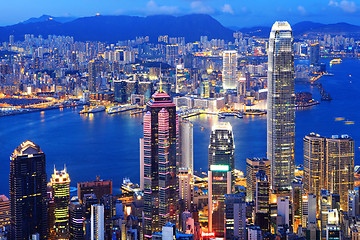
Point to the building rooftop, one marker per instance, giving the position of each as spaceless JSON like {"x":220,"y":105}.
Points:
{"x":281,"y":26}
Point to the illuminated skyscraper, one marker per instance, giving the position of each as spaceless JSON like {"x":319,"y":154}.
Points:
{"x":60,"y":183}
{"x":221,"y":168}
{"x":340,"y":167}
{"x":97,"y":222}
{"x":161,"y":129}
{"x":28,"y":183}
{"x":314,"y":54}
{"x":186,"y":153}
{"x":76,"y":220}
{"x":253,"y":166}
{"x":4,"y":211}
{"x":235,"y":216}
{"x":186,"y":184}
{"x":314,"y":164}
{"x":229,"y":72}
{"x":281,"y":107}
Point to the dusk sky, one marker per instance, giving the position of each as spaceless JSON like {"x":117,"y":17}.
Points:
{"x":240,"y":13}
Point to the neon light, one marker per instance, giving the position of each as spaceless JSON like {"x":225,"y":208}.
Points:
{"x":219,"y":168}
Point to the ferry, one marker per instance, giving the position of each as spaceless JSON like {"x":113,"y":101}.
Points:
{"x":349,"y":122}
{"x":336,"y":61}
{"x":114,"y":109}
{"x":128,"y":186}
{"x":339,"y":119}
{"x":96,"y":109}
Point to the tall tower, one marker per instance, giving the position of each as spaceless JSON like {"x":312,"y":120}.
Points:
{"x":229,"y":73}
{"x":281,"y":107}
{"x":60,"y":183}
{"x":161,"y":129}
{"x":340,"y":167}
{"x":97,"y":222}
{"x":221,"y":167}
{"x":314,"y":164}
{"x":28,"y":183}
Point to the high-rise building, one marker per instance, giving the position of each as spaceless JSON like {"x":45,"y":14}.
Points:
{"x":253,"y":166}
{"x":283,"y":213}
{"x":93,"y":72}
{"x":76,"y":220}
{"x":325,"y":206}
{"x":186,"y":153}
{"x":186,"y":187}
{"x":229,"y":72}
{"x":340,"y":167}
{"x":172,"y":52}
{"x":314,"y":164}
{"x":297,"y":196}
{"x":60,"y":184}
{"x":221,"y":169}
{"x":235,"y":216}
{"x":262,"y":193}
{"x":161,"y":130}
{"x":97,"y":222}
{"x":281,"y":107}
{"x":4,"y":211}
{"x":98,"y":187}
{"x":353,"y":210}
{"x":314,"y":54}
{"x":28,"y":195}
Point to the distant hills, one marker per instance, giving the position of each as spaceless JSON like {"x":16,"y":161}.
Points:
{"x":118,"y":28}
{"x":115,"y":28}
{"x":307,"y":27}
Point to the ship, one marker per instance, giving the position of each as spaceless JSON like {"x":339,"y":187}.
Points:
{"x":349,"y":122}
{"x":339,"y":119}
{"x":128,"y":186}
{"x":336,"y":61}
{"x":93,"y":110}
{"x":114,"y":109}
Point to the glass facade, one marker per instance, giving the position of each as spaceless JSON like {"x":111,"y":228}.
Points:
{"x":281,"y":107}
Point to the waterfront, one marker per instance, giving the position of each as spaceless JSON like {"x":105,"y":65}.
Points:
{"x":108,"y":145}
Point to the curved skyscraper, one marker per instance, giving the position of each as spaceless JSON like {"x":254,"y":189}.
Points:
{"x":281,"y":106}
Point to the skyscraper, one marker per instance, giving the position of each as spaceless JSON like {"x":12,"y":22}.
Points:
{"x":28,"y":183}
{"x":186,"y":187}
{"x":340,"y":167}
{"x":281,"y":107}
{"x":314,"y":54}
{"x":314,"y":164}
{"x":60,"y":183}
{"x":186,"y":154}
{"x":76,"y":220}
{"x":221,"y":168}
{"x":97,"y":222}
{"x":235,"y":215}
{"x":253,"y":166}
{"x":229,"y":72}
{"x":161,"y":129}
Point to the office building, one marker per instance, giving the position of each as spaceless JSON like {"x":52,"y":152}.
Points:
{"x":314,"y":164}
{"x":283,"y":214}
{"x":262,"y":193}
{"x":186,"y":184}
{"x":325,"y":206}
{"x":98,"y":187}
{"x":281,"y":107}
{"x":93,"y":70}
{"x":229,"y":72}
{"x":97,"y":222}
{"x":309,"y":209}
{"x":4,"y":211}
{"x":353,"y":210}
{"x":60,"y":185}
{"x":340,"y":167}
{"x":253,"y":166}
{"x":235,"y":216}
{"x":221,"y":169}
{"x":172,"y":52}
{"x":254,"y":233}
{"x":76,"y":220}
{"x":161,"y":130}
{"x":315,"y":54}
{"x":297,"y":197}
{"x":28,"y":195}
{"x":186,"y":153}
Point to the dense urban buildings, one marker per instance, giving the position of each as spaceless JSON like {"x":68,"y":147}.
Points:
{"x":281,"y":107}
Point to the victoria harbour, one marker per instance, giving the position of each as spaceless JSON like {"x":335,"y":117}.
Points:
{"x":108,"y":145}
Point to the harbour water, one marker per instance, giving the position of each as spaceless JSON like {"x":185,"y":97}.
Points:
{"x":108,"y":145}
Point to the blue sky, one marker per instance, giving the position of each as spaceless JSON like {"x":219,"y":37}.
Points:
{"x":241,"y":13}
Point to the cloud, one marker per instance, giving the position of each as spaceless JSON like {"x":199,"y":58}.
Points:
{"x":153,"y":8}
{"x":200,"y":7}
{"x":227,"y":9}
{"x":302,"y":10}
{"x":345,"y":5}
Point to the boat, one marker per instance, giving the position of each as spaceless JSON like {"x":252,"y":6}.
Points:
{"x":114,"y":109}
{"x":96,"y":109}
{"x":328,"y":74}
{"x":339,"y":119}
{"x":128,"y":186}
{"x":336,"y":61}
{"x":349,"y":122}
